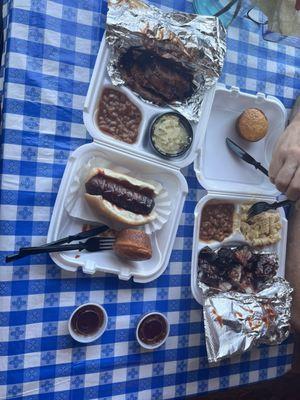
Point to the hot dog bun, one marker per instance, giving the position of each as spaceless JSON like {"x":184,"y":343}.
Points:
{"x":114,"y":212}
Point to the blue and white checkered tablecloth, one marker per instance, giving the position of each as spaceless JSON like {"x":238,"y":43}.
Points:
{"x":51,"y":49}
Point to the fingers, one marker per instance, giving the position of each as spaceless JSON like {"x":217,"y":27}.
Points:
{"x":293,"y":190}
{"x":277,"y":162}
{"x":286,"y":175}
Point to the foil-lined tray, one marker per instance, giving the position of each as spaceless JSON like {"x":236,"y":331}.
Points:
{"x":196,"y":42}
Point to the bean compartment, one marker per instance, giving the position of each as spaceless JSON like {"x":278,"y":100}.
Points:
{"x":118,"y":116}
{"x":216,"y":222}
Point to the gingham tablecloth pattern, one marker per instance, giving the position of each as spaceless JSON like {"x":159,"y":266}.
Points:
{"x":51,"y":50}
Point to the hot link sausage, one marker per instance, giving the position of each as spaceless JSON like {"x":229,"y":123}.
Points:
{"x":122,"y":193}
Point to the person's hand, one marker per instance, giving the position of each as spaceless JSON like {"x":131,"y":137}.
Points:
{"x":284,"y":170}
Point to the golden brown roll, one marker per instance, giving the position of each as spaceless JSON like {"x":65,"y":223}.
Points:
{"x":133,"y":245}
{"x":252,"y":125}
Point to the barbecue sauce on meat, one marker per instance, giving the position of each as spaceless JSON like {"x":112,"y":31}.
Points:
{"x":155,"y":78}
{"x":122,"y":193}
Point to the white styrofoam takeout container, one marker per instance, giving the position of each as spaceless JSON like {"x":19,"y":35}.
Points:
{"x":142,"y":147}
{"x":138,"y":157}
{"x":227,"y":178}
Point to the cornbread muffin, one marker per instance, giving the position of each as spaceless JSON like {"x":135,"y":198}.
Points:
{"x":252,"y":125}
{"x":133,"y":245}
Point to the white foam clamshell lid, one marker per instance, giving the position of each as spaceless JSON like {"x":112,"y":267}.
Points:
{"x":217,"y":169}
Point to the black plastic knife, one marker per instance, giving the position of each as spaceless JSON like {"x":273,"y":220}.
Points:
{"x":68,"y":239}
{"x":78,"y":236}
{"x":241,"y":153}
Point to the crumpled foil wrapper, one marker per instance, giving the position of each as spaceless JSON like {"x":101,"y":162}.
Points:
{"x":197,"y":42}
{"x":236,"y":322}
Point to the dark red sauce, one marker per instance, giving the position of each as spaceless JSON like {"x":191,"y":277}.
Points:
{"x":153,"y":329}
{"x":87,"y":320}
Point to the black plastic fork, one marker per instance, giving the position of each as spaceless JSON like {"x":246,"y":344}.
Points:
{"x":92,"y":244}
{"x":260,"y":206}
{"x":263,"y":206}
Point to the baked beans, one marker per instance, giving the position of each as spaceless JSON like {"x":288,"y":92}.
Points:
{"x":118,"y":116}
{"x":216,"y":222}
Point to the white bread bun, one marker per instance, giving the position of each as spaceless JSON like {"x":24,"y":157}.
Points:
{"x":113,"y":212}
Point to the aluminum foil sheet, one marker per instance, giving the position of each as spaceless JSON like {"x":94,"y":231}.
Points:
{"x":196,"y":42}
{"x":235,"y":322}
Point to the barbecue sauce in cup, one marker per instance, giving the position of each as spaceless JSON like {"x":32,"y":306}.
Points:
{"x":87,"y":320}
{"x":152,"y":330}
